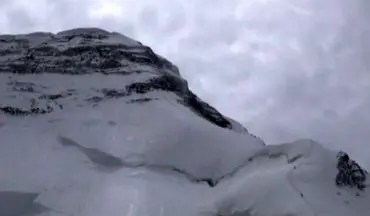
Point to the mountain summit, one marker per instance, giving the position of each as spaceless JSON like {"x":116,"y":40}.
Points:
{"x":94,"y":123}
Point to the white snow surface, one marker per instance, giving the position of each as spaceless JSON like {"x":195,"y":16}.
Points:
{"x":117,"y":158}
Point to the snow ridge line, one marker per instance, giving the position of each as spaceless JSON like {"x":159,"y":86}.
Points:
{"x":110,"y":163}
{"x":290,"y":181}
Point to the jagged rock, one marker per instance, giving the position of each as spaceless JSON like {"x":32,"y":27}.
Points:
{"x":349,"y":172}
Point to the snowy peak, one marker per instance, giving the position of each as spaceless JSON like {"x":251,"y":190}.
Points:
{"x":88,"y":51}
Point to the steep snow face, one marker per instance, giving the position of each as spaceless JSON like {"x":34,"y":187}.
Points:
{"x":82,"y":139}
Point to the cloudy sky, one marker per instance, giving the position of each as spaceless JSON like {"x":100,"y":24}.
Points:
{"x":286,"y":69}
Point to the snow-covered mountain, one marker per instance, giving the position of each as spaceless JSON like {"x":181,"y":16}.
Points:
{"x":94,"y":123}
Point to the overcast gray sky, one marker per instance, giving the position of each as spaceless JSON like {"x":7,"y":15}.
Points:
{"x":286,"y":69}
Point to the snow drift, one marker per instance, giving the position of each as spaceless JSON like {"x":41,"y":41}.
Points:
{"x":94,"y":123}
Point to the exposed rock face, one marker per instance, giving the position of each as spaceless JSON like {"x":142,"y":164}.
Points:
{"x":91,"y":51}
{"x":78,"y":51}
{"x":350,"y":173}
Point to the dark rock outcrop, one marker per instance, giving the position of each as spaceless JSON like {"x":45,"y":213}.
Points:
{"x":20,"y":112}
{"x":189,"y":99}
{"x":350,"y":173}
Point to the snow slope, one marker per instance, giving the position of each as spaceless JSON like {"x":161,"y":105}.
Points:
{"x":289,"y":179}
{"x":94,"y":123}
